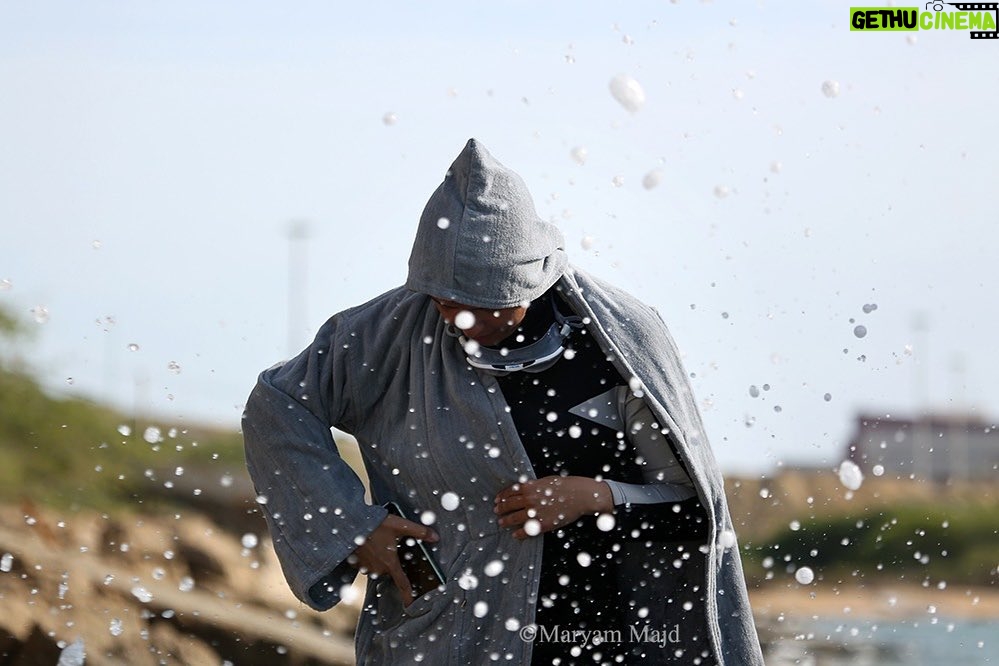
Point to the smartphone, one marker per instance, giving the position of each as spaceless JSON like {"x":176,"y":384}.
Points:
{"x":417,"y":563}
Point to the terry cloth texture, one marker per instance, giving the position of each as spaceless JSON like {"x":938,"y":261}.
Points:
{"x":480,"y":241}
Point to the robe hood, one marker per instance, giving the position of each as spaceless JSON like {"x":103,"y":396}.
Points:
{"x":480,"y":241}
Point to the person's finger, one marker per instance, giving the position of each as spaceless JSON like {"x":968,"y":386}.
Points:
{"x":510,"y":491}
{"x":401,"y":582}
{"x":411,"y":529}
{"x":512,"y":504}
{"x":516,"y":518}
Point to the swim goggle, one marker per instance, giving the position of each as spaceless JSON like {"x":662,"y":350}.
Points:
{"x":535,"y":357}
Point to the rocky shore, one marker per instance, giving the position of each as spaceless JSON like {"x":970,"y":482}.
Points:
{"x":186,"y":587}
{"x":174,"y":589}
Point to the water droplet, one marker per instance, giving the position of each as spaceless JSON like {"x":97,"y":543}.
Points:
{"x":74,"y":654}
{"x":532,"y":527}
{"x":468,"y":581}
{"x":428,"y":517}
{"x":726,"y":539}
{"x":628,"y":92}
{"x":249,"y":540}
{"x":480,"y":609}
{"x":152,"y":435}
{"x":575,"y":432}
{"x":6,"y":562}
{"x":5,"y":284}
{"x":464,"y":320}
{"x":579,"y":155}
{"x":605,"y":522}
{"x":878,"y":470}
{"x":142,"y":594}
{"x":776,"y":167}
{"x":390,"y":119}
{"x":721,"y":191}
{"x":450,"y":501}
{"x":850,"y":475}
{"x":584,"y":559}
{"x":133,"y":347}
{"x":827,"y":397}
{"x":754,"y":392}
{"x":652,"y":179}
{"x":186,"y":584}
{"x":174,"y":367}
{"x":586,"y":242}
{"x":116,"y":628}
{"x":804,"y":575}
{"x":443,"y":223}
{"x":830,"y":89}
{"x":493,"y":568}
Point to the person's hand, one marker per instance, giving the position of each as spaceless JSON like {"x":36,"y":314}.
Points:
{"x":551,"y":501}
{"x":377,"y":556}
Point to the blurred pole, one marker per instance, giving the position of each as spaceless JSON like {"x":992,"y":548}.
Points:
{"x":922,"y":436}
{"x":298,"y":273}
{"x":921,"y":376}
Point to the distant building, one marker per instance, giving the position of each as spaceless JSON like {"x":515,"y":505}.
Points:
{"x":931,"y":447}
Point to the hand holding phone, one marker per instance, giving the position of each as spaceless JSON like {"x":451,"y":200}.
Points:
{"x":383,"y":554}
{"x":418,"y":564}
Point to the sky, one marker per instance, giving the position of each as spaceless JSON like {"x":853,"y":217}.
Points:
{"x":785,"y":182}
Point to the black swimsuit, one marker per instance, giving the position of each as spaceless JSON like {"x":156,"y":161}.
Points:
{"x":588,"y":580}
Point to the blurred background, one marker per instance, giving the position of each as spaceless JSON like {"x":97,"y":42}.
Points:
{"x":188,"y":191}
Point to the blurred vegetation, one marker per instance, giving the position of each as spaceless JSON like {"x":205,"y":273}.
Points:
{"x":954,"y":540}
{"x":69,"y":452}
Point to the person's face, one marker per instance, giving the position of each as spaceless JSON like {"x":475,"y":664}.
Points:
{"x":484,"y":325}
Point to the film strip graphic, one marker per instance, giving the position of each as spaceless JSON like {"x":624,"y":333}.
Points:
{"x":980,"y":6}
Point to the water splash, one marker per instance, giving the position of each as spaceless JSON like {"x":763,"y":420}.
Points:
{"x":628,"y":92}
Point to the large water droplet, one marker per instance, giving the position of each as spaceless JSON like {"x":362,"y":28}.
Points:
{"x":450,"y":501}
{"x":652,"y":179}
{"x":74,"y":654}
{"x":860,"y":330}
{"x":493,"y":568}
{"x":804,"y":575}
{"x":628,"y":92}
{"x":830,"y":89}
{"x":464,"y":320}
{"x":850,"y":475}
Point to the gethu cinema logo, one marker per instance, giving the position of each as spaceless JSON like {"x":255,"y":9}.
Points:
{"x":975,"y":17}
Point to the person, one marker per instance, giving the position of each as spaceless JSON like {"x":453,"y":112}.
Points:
{"x":536,"y":425}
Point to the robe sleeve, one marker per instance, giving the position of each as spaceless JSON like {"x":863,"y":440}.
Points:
{"x":312,"y":500}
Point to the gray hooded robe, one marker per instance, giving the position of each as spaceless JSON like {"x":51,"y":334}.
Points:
{"x":433,"y":430}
